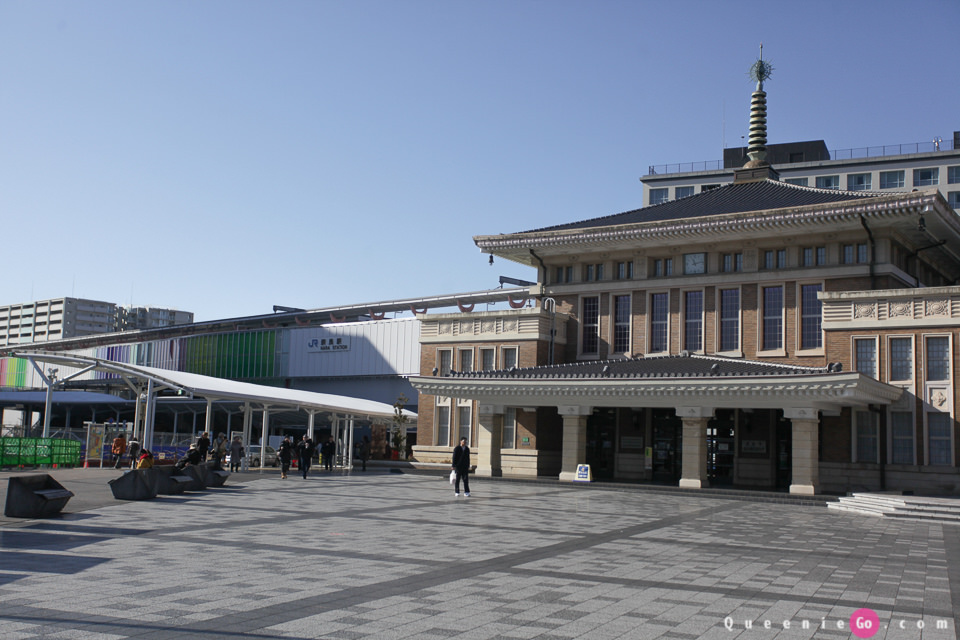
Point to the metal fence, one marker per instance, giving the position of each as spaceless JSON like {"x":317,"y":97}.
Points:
{"x":32,"y":452}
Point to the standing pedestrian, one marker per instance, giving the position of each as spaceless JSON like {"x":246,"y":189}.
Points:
{"x":134,"y":450}
{"x":203,"y":445}
{"x":118,"y":449}
{"x":285,"y":454}
{"x":328,"y":450}
{"x":304,"y":454}
{"x":461,"y":464}
{"x":365,"y":452}
{"x":236,"y":454}
{"x":218,"y":450}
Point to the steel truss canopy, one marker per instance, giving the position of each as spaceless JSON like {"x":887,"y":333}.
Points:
{"x":214,"y":389}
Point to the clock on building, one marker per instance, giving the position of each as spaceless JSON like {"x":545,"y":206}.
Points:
{"x":694,"y":263}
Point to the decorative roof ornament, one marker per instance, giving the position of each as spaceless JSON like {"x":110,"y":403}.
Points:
{"x":760,"y":71}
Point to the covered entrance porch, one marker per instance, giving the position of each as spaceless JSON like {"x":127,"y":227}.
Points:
{"x":695,"y":420}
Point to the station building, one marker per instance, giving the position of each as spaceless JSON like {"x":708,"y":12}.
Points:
{"x":758,"y":334}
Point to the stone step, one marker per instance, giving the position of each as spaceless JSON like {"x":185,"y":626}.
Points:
{"x":916,"y":508}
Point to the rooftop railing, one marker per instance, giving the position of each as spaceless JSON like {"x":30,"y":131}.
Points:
{"x":836,"y":154}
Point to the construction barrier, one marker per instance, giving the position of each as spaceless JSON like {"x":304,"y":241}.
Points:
{"x":31,"y":452}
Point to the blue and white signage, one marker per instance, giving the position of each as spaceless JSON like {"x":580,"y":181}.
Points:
{"x":328,"y":345}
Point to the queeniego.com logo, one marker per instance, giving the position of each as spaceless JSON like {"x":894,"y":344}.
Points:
{"x":864,"y":623}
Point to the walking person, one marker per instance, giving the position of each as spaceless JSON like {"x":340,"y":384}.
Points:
{"x":203,"y":445}
{"x":285,"y":455}
{"x":328,"y":450}
{"x":134,"y":450}
{"x":461,"y":464}
{"x":236,"y":454}
{"x":118,"y":449}
{"x":304,"y":454}
{"x":218,"y":450}
{"x":365,"y":452}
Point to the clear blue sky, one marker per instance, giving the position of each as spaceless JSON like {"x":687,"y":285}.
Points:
{"x":223,"y":156}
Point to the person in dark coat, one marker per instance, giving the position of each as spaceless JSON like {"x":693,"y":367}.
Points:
{"x":461,"y":464}
{"x":236,"y":454}
{"x":365,"y":451}
{"x":328,"y":450}
{"x":203,"y":445}
{"x":134,"y":450}
{"x":304,"y":454}
{"x":193,"y":457}
{"x":285,"y":454}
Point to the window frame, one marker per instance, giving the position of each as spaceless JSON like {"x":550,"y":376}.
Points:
{"x":892,"y":437}
{"x":898,"y":183}
{"x":803,"y":317}
{"x":618,"y":325}
{"x":484,"y":350}
{"x":721,"y":320}
{"x":655,"y":193}
{"x":595,"y":335}
{"x":855,"y":355}
{"x":821,"y":182}
{"x":650,"y":322}
{"x":865,"y":182}
{"x":874,"y":426}
{"x":932,"y":181}
{"x":763,"y":349}
{"x":504,"y":349}
{"x":507,"y":413}
{"x":697,"y":321}
{"x":891,"y":360}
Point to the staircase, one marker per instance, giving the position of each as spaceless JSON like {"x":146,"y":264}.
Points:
{"x":892,"y":505}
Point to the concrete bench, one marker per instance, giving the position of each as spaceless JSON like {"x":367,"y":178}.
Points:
{"x":217,"y":477}
{"x":171,"y":481}
{"x":198,"y":474}
{"x":35,"y":496}
{"x":136,"y":484}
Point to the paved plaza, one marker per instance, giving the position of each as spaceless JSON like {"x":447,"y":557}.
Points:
{"x":391,"y":555}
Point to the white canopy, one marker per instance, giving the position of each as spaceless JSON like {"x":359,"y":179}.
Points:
{"x":196,"y":385}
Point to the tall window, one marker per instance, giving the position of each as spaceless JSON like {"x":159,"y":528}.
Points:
{"x":867,"y":440}
{"x":953,"y":175}
{"x":443,"y":426}
{"x":891,"y":179}
{"x":624,"y":270}
{"x":659,"y":317}
{"x":938,"y":430}
{"x":621,"y":324}
{"x":592,"y":272}
{"x":590,"y":318}
{"x":509,"y":428}
{"x":509,"y":357}
{"x":464,"y":415}
{"x":938,"y":358}
{"x":821,"y":255}
{"x":488,"y":359}
{"x":564,"y":274}
{"x":729,"y":319}
{"x":772,"y":318}
{"x":848,"y":254}
{"x":466,"y":360}
{"x":901,"y":435}
{"x":731,"y":262}
{"x":865,"y":355}
{"x":901,"y":359}
{"x":862,"y":255}
{"x":446,"y":361}
{"x":811,"y":337}
{"x":693,"y":321}
{"x":926,"y":177}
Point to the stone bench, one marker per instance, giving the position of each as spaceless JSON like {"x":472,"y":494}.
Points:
{"x":35,"y":496}
{"x":136,"y":484}
{"x":171,"y":481}
{"x":217,"y":477}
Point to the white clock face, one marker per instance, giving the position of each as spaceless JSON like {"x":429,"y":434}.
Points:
{"x":695,"y":263}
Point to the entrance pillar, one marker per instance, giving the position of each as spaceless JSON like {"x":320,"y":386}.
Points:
{"x":805,"y":463}
{"x":489,"y":440}
{"x":574,"y":440}
{"x":694,"y":446}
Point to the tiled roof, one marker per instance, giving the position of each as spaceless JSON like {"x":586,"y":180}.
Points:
{"x":732,"y":198}
{"x":682,"y":366}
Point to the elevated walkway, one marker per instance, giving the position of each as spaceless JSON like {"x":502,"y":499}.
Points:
{"x":894,"y":505}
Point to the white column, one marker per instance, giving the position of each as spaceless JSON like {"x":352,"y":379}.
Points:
{"x":148,"y":418}
{"x":247,"y":425}
{"x":264,"y":436}
{"x":349,"y":458}
{"x":574,"y":440}
{"x":694,"y":446}
{"x":489,"y":439}
{"x":208,"y":419}
{"x":310,"y":421}
{"x":805,"y":462}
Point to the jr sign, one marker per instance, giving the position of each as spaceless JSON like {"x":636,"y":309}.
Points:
{"x":328,"y":345}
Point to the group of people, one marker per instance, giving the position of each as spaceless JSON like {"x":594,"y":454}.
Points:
{"x":141,"y":458}
{"x":138,"y":456}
